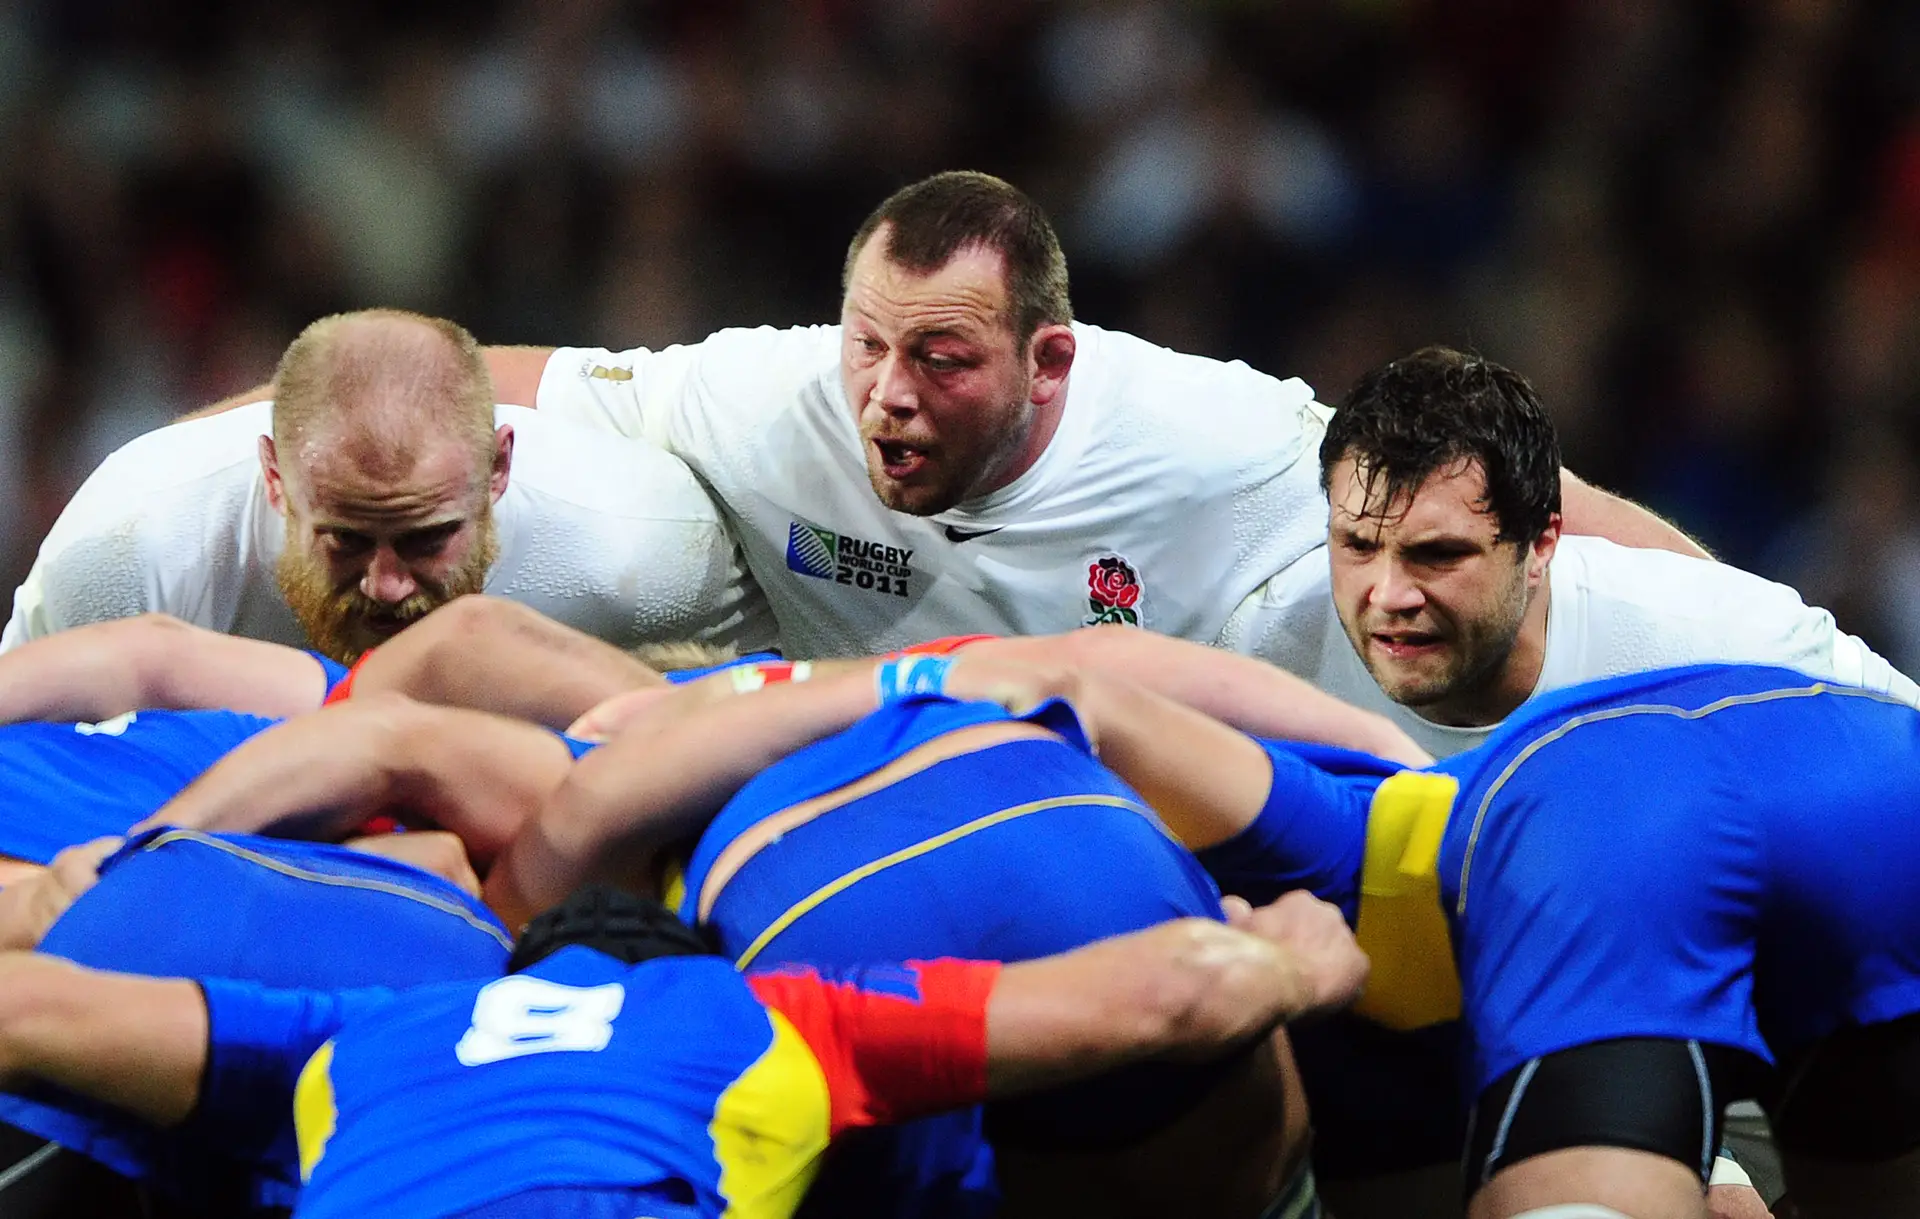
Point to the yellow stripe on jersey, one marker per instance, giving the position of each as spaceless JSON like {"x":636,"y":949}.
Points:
{"x":673,"y":882}
{"x":1402,"y":926}
{"x":923,"y":847}
{"x":770,"y":1127}
{"x":314,"y":1113}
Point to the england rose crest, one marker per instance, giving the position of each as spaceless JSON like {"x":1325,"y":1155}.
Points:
{"x":1113,"y":591}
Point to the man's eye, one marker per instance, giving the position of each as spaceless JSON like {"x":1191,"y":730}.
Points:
{"x":944,"y":363}
{"x":427,"y":542}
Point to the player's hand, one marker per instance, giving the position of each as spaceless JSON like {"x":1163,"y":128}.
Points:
{"x":1017,"y":687}
{"x":31,"y":905}
{"x":1318,"y":939}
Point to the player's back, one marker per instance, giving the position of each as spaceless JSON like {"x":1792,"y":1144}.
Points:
{"x":1792,"y":719}
{"x":314,"y":916}
{"x":669,"y":1073}
{"x":66,"y":783}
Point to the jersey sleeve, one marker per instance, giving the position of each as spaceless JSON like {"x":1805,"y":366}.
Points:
{"x":894,"y":1041}
{"x":1848,"y":659}
{"x":80,"y":580}
{"x":635,"y":393}
{"x":258,"y":1040}
{"x":1311,"y":834}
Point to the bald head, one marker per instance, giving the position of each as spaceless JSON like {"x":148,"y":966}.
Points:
{"x":376,"y":389}
{"x":385,"y":462}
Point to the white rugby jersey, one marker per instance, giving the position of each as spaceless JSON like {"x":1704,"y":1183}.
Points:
{"x":1611,"y":610}
{"x":1173,"y":488}
{"x":612,"y":537}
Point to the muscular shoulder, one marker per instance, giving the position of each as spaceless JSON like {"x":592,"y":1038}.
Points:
{"x":178,"y":498}
{"x":1200,"y":412}
{"x":1637,"y":609}
{"x":182,"y":460}
{"x":566,"y":464}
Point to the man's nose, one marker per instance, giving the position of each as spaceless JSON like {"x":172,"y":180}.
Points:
{"x":388,"y":579}
{"x":1394,"y":591}
{"x":894,"y":390}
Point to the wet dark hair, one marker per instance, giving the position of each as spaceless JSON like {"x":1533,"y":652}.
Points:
{"x":934,"y":219}
{"x":1435,"y":409}
{"x":626,"y":927}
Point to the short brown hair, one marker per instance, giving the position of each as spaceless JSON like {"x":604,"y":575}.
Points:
{"x":344,"y":361}
{"x":1404,"y":421}
{"x":934,"y":219}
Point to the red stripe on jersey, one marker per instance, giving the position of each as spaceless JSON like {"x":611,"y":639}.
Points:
{"x":894,"y":1041}
{"x":940,"y":647}
{"x":344,"y":691}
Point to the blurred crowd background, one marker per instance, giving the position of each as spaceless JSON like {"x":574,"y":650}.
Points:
{"x":1694,"y":224}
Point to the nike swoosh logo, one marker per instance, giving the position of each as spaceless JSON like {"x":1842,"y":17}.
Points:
{"x":961,"y":535}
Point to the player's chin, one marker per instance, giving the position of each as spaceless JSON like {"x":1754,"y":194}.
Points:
{"x":1412,"y":685}
{"x":918,"y":497}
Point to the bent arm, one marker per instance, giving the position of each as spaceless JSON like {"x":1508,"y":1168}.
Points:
{"x":1206,"y":781}
{"x":490,"y":654}
{"x":1189,"y":989}
{"x":516,"y":373}
{"x":1246,"y":693}
{"x":1586,"y":509}
{"x":137,"y":1043}
{"x":659,"y":783}
{"x":104,"y":669}
{"x":479,"y":776}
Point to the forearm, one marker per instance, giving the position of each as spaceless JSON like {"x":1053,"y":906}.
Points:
{"x":1190,"y":989}
{"x":476,"y":775}
{"x":654,"y":786}
{"x":494,"y":655}
{"x":136,"y":1043}
{"x":1586,"y":509}
{"x":516,"y":373}
{"x":313,"y":777}
{"x":149,"y":662}
{"x":1206,"y":781}
{"x":1246,"y":693}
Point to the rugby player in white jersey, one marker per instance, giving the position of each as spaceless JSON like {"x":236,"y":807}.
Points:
{"x":1448,"y":593}
{"x":385,"y":482}
{"x":958,"y":455}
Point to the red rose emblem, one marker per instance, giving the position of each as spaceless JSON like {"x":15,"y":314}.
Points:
{"x":1113,"y":589}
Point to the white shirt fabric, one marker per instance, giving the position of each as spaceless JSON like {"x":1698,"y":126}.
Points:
{"x":1201,"y":477}
{"x":1611,"y":610}
{"x":611,"y":537}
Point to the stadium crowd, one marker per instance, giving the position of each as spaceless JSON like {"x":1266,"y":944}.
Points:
{"x":887,"y":744}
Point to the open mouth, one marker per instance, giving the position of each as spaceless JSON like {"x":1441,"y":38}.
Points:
{"x":899,"y":460}
{"x":1407,"y":645}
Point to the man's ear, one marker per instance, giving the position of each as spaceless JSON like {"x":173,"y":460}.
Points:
{"x":1049,"y":359}
{"x":270,"y":470}
{"x":1540,"y":552}
{"x":502,"y":462}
